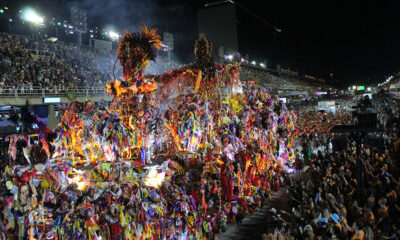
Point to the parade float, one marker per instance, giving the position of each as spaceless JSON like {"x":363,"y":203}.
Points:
{"x":175,"y":156}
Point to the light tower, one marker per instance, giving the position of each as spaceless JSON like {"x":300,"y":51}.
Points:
{"x":79,"y":21}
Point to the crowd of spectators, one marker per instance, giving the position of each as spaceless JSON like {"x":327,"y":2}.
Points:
{"x":264,"y":77}
{"x":31,"y":62}
{"x":36,"y":62}
{"x":321,"y":122}
{"x":334,"y":197}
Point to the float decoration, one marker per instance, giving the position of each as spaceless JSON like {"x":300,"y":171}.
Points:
{"x":176,"y":165}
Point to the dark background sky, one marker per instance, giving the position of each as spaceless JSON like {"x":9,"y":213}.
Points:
{"x":357,"y":41}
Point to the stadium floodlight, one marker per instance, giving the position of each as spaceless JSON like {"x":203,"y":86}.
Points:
{"x":253,"y":62}
{"x":113,"y":35}
{"x":30,"y":15}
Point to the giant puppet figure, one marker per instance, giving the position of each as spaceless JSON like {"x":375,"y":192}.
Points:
{"x":205,"y":76}
{"x":131,"y":101}
{"x":135,"y":103}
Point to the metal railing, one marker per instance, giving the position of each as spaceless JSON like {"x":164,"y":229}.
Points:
{"x":10,"y":92}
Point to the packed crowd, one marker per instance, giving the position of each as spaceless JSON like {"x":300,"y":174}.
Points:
{"x":321,"y":122}
{"x":29,"y":62}
{"x":331,"y":201}
{"x":263,"y":77}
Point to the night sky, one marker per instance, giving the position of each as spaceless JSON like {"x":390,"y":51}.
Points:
{"x":357,"y":41}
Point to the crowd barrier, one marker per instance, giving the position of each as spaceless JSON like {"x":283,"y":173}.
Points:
{"x":41,"y":92}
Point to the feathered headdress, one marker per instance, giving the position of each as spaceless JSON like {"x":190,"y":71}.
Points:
{"x":202,"y":47}
{"x":136,"y":50}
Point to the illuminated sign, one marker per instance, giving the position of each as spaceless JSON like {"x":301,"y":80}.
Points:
{"x":361,"y":88}
{"x":51,"y":100}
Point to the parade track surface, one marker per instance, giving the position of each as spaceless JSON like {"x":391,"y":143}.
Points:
{"x":253,"y":226}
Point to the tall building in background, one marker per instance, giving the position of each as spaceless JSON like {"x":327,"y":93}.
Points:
{"x":79,"y":21}
{"x":218,"y":23}
{"x":168,"y":39}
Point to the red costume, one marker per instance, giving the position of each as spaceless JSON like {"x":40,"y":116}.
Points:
{"x":226,"y":181}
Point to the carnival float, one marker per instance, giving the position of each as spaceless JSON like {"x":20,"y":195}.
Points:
{"x":174,"y":156}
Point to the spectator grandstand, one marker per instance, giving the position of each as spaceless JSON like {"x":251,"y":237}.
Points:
{"x":265,"y":77}
{"x":35,"y":63}
{"x":29,"y":62}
